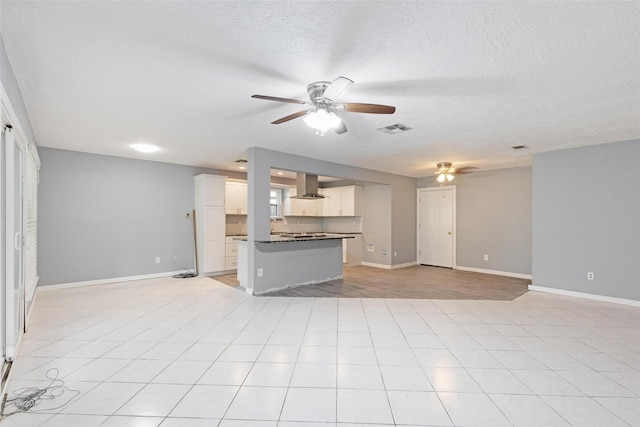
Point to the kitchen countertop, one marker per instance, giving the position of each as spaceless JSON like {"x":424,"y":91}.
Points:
{"x":279,"y":238}
{"x":345,"y":232}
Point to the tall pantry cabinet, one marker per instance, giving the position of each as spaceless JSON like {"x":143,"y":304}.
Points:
{"x":210,"y":223}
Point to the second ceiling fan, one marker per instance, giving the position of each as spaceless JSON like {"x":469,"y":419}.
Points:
{"x":321,"y":113}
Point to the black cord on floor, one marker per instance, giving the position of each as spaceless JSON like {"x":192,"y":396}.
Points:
{"x":24,"y":399}
{"x":186,"y":275}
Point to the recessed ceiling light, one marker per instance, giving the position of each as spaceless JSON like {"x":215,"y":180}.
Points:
{"x":144,"y":147}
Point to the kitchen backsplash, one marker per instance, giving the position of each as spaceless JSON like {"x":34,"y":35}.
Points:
{"x":346,"y":224}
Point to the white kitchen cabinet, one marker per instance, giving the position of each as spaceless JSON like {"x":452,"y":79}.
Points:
{"x":303,"y":207}
{"x":210,"y":223}
{"x":352,"y":250}
{"x":331,"y":204}
{"x":231,"y":245}
{"x":236,"y":198}
{"x":342,"y":201}
{"x":344,"y":251}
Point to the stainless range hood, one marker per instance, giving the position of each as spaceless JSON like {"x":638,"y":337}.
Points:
{"x":307,"y":187}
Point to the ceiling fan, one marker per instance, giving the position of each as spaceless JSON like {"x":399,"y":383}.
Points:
{"x":321,"y":113}
{"x":446,"y":171}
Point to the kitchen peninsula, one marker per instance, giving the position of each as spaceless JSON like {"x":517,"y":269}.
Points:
{"x":310,"y":258}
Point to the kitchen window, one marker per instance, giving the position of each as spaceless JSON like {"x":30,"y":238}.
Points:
{"x":275,"y":202}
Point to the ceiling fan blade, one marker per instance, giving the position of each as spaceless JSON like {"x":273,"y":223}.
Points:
{"x":275,"y":98}
{"x":337,"y":88}
{"x":467,"y":169}
{"x":369,"y":108}
{"x":290,"y":117}
{"x":342,"y":128}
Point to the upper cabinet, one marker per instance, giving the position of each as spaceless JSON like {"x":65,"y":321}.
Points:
{"x":209,"y":190}
{"x":236,"y":198}
{"x":342,"y":201}
{"x":338,"y":201}
{"x":303,"y":207}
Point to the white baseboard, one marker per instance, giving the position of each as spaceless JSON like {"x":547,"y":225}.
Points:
{"x":596,"y":297}
{"x":496,"y":272}
{"x":106,"y":281}
{"x":388,"y":267}
{"x":33,"y":302}
{"x":376,"y":265}
{"x":406,"y":264}
{"x":296,"y":285}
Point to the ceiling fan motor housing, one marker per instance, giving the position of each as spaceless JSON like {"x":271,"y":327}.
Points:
{"x":444,"y":166}
{"x":316,"y":93}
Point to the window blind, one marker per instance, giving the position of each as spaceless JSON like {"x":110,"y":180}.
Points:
{"x":32,"y":180}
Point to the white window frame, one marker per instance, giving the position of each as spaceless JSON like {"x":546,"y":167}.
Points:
{"x":279,"y":202}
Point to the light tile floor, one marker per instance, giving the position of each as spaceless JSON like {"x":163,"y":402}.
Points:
{"x":194,"y":352}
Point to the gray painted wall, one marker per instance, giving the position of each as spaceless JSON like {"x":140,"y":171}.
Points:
{"x":493,"y":218}
{"x":586,"y":217}
{"x":104,"y":217}
{"x":13,"y":91}
{"x":297,"y":263}
{"x":376,"y":224}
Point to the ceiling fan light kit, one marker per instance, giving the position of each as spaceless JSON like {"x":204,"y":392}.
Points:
{"x":322,"y":112}
{"x":445,"y":172}
{"x":322,"y":120}
{"x":441,"y":177}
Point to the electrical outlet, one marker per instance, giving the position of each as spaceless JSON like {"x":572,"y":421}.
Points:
{"x":486,"y":257}
{"x":260,"y":272}
{"x":157,"y":260}
{"x":384,"y":252}
{"x":395,"y":253}
{"x":590,"y":275}
{"x":370,"y":247}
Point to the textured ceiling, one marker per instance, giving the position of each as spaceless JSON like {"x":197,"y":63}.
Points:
{"x":472,"y":78}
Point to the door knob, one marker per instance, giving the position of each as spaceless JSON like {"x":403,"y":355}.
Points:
{"x":449,"y":233}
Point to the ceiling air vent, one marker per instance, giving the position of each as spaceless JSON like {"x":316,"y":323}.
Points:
{"x":519,"y":147}
{"x":394,"y":129}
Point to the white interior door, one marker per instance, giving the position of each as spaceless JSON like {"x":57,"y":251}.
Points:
{"x":436,"y":226}
{"x":13,"y":289}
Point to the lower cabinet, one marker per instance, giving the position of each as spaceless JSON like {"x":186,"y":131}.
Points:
{"x":231,"y":260}
{"x":352,"y":250}
{"x":213,"y":251}
{"x":344,"y":251}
